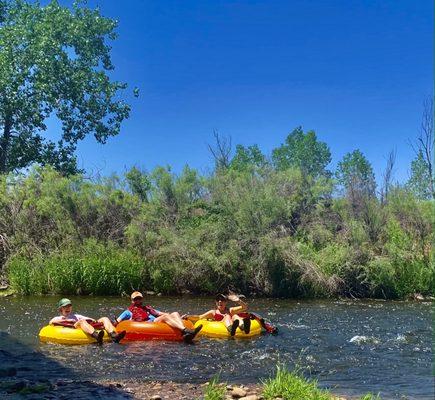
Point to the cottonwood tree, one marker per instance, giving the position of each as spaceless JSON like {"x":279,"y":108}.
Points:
{"x":355,"y":174}
{"x":422,"y":177}
{"x":248,"y":158}
{"x":304,"y":151}
{"x":54,"y":63}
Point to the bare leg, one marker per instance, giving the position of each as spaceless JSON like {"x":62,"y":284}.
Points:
{"x":171,"y":321}
{"x":108,"y":327}
{"x":84,"y":326}
{"x":175,"y":321}
{"x":236,"y":321}
{"x":227,"y":320}
{"x":235,"y":317}
{"x":176,"y":317}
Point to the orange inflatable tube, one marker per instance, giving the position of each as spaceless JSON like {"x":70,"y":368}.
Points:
{"x":151,"y":330}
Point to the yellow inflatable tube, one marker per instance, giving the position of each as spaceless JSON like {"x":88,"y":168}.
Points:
{"x":65,"y":335}
{"x":217,"y":329}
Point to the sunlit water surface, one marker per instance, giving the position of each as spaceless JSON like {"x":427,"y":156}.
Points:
{"x":351,"y":347}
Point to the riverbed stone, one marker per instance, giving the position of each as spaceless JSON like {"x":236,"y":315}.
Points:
{"x":156,"y":397}
{"x":250,"y":397}
{"x":238,"y":392}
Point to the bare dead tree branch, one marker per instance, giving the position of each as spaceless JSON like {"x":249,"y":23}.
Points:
{"x":221,"y":151}
{"x":426,"y":139}
{"x":388,"y":175}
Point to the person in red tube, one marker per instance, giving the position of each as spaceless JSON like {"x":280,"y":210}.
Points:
{"x":138,"y":312}
{"x":229,"y":315}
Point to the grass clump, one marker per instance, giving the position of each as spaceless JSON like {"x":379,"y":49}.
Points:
{"x":370,"y":396}
{"x":292,"y":386}
{"x":214,"y":390}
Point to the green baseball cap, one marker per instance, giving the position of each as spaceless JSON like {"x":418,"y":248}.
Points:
{"x":63,"y":303}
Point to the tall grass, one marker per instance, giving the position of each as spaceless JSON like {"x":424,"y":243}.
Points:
{"x":91,"y":269}
{"x":292,"y":386}
{"x":214,"y":390}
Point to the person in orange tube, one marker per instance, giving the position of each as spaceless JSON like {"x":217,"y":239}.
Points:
{"x":138,"y":312}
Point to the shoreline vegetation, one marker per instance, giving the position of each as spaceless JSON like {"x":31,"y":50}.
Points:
{"x":278,"y":226}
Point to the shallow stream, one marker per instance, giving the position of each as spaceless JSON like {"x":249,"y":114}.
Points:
{"x":351,"y":347}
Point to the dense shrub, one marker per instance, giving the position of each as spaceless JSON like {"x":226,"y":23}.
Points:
{"x":256,"y":230}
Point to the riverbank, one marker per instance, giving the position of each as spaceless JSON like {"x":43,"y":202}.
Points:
{"x":267,"y":232}
{"x":151,"y":390}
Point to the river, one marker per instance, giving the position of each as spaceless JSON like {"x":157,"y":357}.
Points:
{"x":351,"y":347}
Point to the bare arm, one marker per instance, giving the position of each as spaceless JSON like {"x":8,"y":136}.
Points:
{"x":56,"y":320}
{"x":240,"y":308}
{"x":206,"y":315}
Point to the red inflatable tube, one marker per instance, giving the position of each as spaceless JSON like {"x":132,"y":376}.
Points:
{"x":150,"y":330}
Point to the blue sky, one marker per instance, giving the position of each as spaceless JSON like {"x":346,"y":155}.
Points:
{"x":355,"y":71}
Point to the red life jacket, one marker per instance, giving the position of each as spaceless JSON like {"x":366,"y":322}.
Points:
{"x":139,"y":313}
{"x":218,"y":316}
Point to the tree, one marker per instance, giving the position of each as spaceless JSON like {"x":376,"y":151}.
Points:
{"x":422,"y":179}
{"x":139,"y":183}
{"x":54,"y":61}
{"x":388,"y":176}
{"x":304,"y":151}
{"x":355,"y":174}
{"x":221,"y":151}
{"x":247,"y":158}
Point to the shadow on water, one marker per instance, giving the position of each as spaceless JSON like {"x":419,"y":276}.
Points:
{"x":26,"y":371}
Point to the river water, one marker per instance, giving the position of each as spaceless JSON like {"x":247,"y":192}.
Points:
{"x":351,"y":347}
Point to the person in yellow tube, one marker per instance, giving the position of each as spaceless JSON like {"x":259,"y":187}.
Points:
{"x":229,"y":316}
{"x":68,"y":318}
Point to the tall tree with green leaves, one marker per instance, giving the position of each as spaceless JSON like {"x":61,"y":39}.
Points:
{"x":420,"y":180}
{"x":248,"y":158}
{"x":54,"y":62}
{"x":304,"y":151}
{"x":355,"y":174}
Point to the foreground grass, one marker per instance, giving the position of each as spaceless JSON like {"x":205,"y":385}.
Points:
{"x":214,"y":391}
{"x":292,"y":386}
{"x":285,"y":385}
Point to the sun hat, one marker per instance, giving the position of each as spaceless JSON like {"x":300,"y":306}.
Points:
{"x":136,"y":294}
{"x":64,"y":302}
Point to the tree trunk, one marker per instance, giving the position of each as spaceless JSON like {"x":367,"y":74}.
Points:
{"x":4,"y":143}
